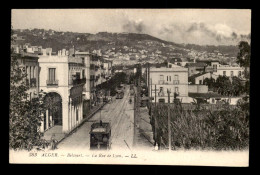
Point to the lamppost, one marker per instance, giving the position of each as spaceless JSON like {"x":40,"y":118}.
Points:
{"x":169,"y":120}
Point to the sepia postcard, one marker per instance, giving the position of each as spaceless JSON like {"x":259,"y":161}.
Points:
{"x":130,"y":86}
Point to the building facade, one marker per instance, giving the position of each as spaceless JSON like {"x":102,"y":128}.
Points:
{"x":227,"y":70}
{"x":174,"y":79}
{"x":62,"y":78}
{"x":31,"y":65}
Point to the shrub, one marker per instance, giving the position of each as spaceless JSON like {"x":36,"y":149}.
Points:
{"x":225,"y":128}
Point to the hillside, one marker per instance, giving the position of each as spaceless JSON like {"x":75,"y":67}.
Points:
{"x":118,"y":42}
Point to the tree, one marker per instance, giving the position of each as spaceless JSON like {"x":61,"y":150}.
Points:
{"x":243,"y":58}
{"x":210,"y":82}
{"x":24,"y":114}
{"x":223,"y":85}
{"x":237,"y":87}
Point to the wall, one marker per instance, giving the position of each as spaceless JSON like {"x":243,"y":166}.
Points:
{"x":182,"y":86}
{"x":196,"y":88}
{"x":61,"y":65}
{"x":204,"y":76}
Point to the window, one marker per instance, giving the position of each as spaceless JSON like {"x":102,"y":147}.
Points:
{"x":231,"y":73}
{"x":200,"y":81}
{"x":177,"y":89}
{"x":27,"y":72}
{"x":239,"y":73}
{"x":77,"y":75}
{"x":77,"y":116}
{"x":161,"y":89}
{"x":176,"y":77}
{"x":30,"y":72}
{"x":83,"y":73}
{"x":34,"y":70}
{"x":170,"y":78}
{"x":161,"y":77}
{"x":167,"y":78}
{"x":224,"y":73}
{"x":52,"y":75}
{"x":161,"y":100}
{"x":214,"y":68}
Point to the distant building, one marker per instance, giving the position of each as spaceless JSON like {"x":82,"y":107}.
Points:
{"x":174,"y":78}
{"x":179,"y":61}
{"x":226,"y":70}
{"x":195,"y":68}
{"x":200,"y":77}
{"x":215,"y":98}
{"x":31,"y":65}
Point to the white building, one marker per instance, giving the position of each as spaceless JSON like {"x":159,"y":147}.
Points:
{"x":173,"y":78}
{"x":226,"y":70}
{"x":62,"y":78}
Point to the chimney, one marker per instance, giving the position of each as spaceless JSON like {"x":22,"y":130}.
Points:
{"x":44,"y":52}
{"x":63,"y":52}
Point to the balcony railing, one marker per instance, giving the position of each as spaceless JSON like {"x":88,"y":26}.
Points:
{"x":167,"y":82}
{"x":33,"y":82}
{"x":52,"y":82}
{"x":161,"y":94}
{"x":176,"y":82}
{"x":161,"y":82}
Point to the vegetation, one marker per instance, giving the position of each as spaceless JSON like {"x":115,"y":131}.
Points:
{"x":224,"y":129}
{"x":226,"y":86}
{"x":24,"y":114}
{"x":110,"y":85}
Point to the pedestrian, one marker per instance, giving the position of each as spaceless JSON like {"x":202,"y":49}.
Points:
{"x":53,"y":142}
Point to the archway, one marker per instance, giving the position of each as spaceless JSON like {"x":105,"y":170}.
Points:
{"x":53,"y":115}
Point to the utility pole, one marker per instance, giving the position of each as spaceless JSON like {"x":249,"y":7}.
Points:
{"x":169,"y":121}
{"x":155,"y":95}
{"x":156,"y":124}
{"x":134,"y":140}
{"x":151,"y":89}
{"x":148,"y":80}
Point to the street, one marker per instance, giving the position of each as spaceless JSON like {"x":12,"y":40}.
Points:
{"x":120,"y":114}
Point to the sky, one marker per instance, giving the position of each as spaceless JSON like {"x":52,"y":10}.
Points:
{"x":188,"y":26}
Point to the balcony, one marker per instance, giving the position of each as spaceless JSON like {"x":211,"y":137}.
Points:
{"x":52,"y":82}
{"x":33,"y":82}
{"x":161,"y":82}
{"x":176,"y":82}
{"x":161,"y":94}
{"x":78,"y":81}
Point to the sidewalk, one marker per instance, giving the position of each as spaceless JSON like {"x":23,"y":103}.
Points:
{"x":145,"y":133}
{"x":57,"y":130}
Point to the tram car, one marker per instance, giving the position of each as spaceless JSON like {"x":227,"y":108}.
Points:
{"x":100,"y":136}
{"x":119,"y":95}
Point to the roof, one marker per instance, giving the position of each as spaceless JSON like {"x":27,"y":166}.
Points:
{"x":200,"y":64}
{"x":174,"y":68}
{"x":207,"y":61}
{"x":204,"y":95}
{"x":173,"y":60}
{"x":210,"y":95}
{"x":198,"y":75}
